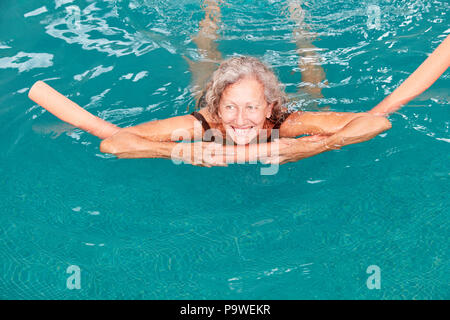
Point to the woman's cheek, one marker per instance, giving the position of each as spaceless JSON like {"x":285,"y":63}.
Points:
{"x":227,"y":120}
{"x":259,"y":120}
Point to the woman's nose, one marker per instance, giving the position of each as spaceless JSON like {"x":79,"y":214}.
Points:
{"x":240,"y":118}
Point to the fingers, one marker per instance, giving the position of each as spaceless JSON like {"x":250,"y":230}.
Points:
{"x":272,"y":160}
{"x":211,"y":154}
{"x":209,"y":165}
{"x":209,"y":162}
{"x":215,"y":149}
{"x":285,"y":142}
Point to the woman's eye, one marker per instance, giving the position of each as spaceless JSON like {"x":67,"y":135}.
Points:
{"x":229,"y":107}
{"x":251,"y":107}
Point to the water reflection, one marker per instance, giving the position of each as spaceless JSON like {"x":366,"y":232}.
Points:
{"x":25,"y":61}
{"x":93,"y":28}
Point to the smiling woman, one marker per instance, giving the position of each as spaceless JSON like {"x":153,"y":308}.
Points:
{"x":242,"y":105}
{"x":243,"y":102}
{"x":245,"y":108}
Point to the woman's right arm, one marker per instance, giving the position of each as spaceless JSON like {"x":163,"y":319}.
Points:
{"x":158,"y":139}
{"x":141,"y":136}
{"x":154,"y":139}
{"x":128,"y":146}
{"x":170,"y":129}
{"x":180,"y":128}
{"x":126,"y":142}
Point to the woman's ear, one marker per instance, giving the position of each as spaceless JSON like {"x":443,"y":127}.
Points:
{"x":269,"y":111}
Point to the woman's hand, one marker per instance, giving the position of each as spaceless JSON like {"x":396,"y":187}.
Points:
{"x":206,"y":154}
{"x":292,"y":150}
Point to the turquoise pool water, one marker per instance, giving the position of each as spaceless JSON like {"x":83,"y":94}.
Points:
{"x":149,"y":229}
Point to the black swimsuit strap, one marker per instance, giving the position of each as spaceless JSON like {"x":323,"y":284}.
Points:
{"x":204,"y":123}
{"x":278,"y":124}
{"x":202,"y":119}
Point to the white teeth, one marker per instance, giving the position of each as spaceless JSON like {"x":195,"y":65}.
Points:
{"x":242,"y":132}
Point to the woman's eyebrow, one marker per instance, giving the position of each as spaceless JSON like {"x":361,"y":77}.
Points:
{"x":253,"y":103}
{"x":229,"y":102}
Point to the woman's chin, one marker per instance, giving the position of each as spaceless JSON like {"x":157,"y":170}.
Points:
{"x":242,"y":140}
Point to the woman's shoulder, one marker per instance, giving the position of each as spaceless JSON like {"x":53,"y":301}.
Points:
{"x":210,"y":118}
{"x":280,"y":118}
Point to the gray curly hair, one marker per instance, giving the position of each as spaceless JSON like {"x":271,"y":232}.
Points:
{"x":234,"y":69}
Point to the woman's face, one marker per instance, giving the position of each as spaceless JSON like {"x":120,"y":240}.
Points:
{"x":243,"y":109}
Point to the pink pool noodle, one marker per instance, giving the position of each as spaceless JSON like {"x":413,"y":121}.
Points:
{"x":69,"y":111}
{"x":419,"y":81}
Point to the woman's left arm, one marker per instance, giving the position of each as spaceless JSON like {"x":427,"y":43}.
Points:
{"x":358,"y":130}
{"x":361,"y":127}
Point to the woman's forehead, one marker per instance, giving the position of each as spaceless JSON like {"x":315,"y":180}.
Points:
{"x":246,"y":89}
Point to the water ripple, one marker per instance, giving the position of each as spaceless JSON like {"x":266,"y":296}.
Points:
{"x":25,"y":61}
{"x":93,"y":28}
